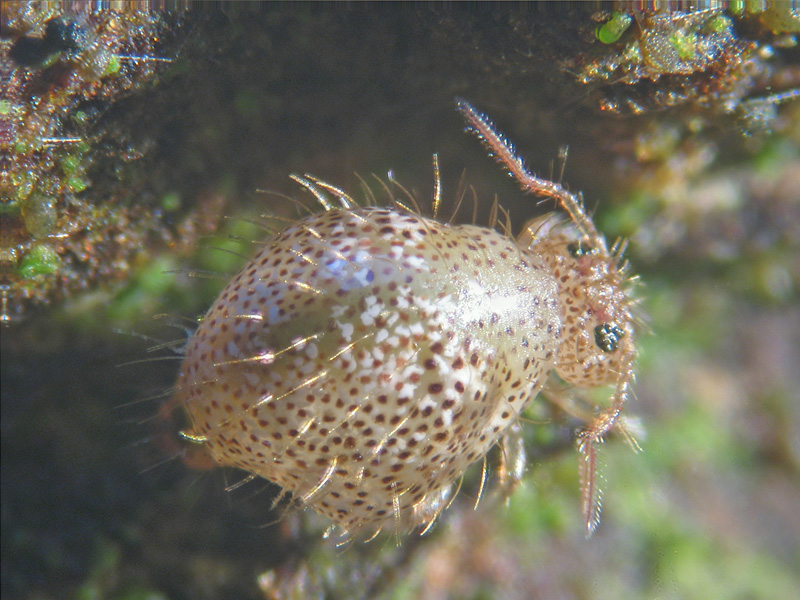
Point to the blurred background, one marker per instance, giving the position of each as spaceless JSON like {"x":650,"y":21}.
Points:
{"x":136,"y":137}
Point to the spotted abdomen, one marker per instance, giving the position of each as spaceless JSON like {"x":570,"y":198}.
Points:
{"x":365,"y":357}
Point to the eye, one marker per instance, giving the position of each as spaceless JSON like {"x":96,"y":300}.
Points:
{"x":578,"y":249}
{"x":607,"y":336}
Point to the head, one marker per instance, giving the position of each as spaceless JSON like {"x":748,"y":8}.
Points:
{"x":597,"y":329}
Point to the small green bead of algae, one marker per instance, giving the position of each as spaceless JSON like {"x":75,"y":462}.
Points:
{"x":70,"y":163}
{"x":612,"y":30}
{"x":77,"y":184}
{"x":685,"y":44}
{"x":717,"y":24}
{"x":40,"y":260}
{"x":113,"y":66}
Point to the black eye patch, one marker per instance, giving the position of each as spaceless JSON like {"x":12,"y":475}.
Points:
{"x":607,"y":336}
{"x":578,"y":249}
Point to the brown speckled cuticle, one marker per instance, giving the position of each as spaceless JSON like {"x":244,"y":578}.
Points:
{"x":401,"y":349}
{"x":390,"y":351}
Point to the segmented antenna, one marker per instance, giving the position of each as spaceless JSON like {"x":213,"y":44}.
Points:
{"x":504,"y":152}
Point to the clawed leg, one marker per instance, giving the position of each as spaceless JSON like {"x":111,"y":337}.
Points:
{"x":592,"y":436}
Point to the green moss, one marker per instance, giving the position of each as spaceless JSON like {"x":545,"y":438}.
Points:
{"x":152,"y":284}
{"x":82,"y":147}
{"x":102,"y":580}
{"x":11,"y":207}
{"x":547,"y":502}
{"x":626,"y":218}
{"x":227,"y":251}
{"x":70,"y":163}
{"x":685,"y":43}
{"x":717,"y":24}
{"x":49,"y":60}
{"x":113,"y":66}
{"x":171,"y":201}
{"x":80,"y":117}
{"x":698,"y":567}
{"x":77,"y":184}
{"x":610,"y":31}
{"x":736,"y":7}
{"x":40,"y":260}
